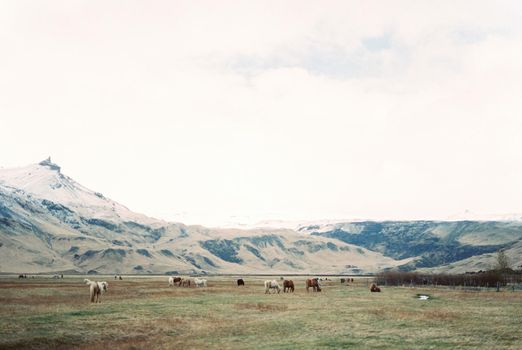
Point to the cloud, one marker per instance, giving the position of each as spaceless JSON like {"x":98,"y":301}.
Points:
{"x":299,"y":110}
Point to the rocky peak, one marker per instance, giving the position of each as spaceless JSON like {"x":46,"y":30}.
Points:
{"x":48,"y":163}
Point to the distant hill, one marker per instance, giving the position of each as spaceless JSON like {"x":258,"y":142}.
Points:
{"x":50,"y":223}
{"x":431,"y":244}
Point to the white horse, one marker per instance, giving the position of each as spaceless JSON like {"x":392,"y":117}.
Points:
{"x":104,"y":286}
{"x":171,"y":281}
{"x":200,"y":282}
{"x":94,"y":290}
{"x":272,"y":285}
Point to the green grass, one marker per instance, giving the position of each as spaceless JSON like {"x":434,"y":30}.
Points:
{"x":145,"y":312}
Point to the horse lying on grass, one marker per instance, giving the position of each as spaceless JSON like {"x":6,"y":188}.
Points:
{"x":374,"y":288}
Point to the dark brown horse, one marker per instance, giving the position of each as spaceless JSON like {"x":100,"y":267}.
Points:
{"x":314,"y":283}
{"x":177,"y":280}
{"x":240,"y":282}
{"x":374,"y":288}
{"x":288,"y":286}
{"x":185,"y":283}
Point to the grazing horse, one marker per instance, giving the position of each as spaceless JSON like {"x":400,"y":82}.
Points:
{"x":343,"y":280}
{"x":185,"y":282}
{"x":374,"y":288}
{"x":288,"y":286}
{"x":200,"y":282}
{"x":173,"y":280}
{"x":104,"y":286}
{"x":94,"y":290}
{"x":314,"y":283}
{"x":240,"y":282}
{"x":272,"y":285}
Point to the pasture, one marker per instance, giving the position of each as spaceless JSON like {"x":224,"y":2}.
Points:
{"x":147,"y":313}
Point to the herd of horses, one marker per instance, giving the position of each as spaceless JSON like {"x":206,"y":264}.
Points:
{"x":96,"y":289}
{"x":187,"y":282}
{"x":289,"y":287}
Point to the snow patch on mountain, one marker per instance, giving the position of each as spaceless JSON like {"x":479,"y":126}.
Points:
{"x":46,"y":181}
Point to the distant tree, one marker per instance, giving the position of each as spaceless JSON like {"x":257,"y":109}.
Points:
{"x":502,"y":261}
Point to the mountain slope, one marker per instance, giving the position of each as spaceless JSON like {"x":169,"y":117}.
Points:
{"x":428,"y":243}
{"x":48,"y":222}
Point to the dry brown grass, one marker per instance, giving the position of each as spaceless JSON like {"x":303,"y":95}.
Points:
{"x":145,"y":313}
{"x":262,"y":307}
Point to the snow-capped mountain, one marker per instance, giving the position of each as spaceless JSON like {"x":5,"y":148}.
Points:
{"x":45,"y":180}
{"x":51,"y":223}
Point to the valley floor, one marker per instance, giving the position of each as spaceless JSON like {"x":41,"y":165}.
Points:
{"x":146,"y":313}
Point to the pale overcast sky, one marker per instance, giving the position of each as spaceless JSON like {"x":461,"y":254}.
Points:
{"x":201,"y":111}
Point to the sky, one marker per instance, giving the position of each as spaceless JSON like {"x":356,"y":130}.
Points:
{"x":210,"y":112}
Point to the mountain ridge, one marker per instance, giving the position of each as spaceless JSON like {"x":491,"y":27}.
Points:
{"x":49,"y":222}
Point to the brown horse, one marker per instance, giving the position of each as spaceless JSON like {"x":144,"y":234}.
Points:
{"x":288,"y":286}
{"x":177,"y":280}
{"x":185,"y":282}
{"x":374,"y":288}
{"x":240,"y":282}
{"x":314,"y":283}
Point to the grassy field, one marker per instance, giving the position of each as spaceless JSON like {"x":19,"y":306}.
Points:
{"x":145,"y":312}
